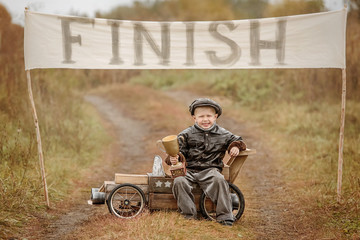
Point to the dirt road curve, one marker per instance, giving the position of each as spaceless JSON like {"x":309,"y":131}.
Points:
{"x":129,"y":134}
{"x":267,"y":212}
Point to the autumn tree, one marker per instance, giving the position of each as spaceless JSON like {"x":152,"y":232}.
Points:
{"x":294,"y":7}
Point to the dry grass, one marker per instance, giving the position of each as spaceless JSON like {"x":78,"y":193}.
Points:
{"x":305,"y":141}
{"x":20,"y":184}
{"x":157,"y":225}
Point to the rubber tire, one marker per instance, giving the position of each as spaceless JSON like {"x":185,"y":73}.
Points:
{"x":233,"y":189}
{"x":136,"y":189}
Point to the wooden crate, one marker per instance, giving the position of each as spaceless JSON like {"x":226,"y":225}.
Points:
{"x":165,"y":185}
{"x":160,"y":185}
{"x":161,"y":196}
{"x":159,"y":201}
{"x":135,"y":179}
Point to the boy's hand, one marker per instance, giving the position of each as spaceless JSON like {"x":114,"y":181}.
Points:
{"x":174,"y":160}
{"x":234,"y":151}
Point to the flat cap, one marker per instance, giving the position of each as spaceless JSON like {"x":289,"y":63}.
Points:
{"x":205,"y":102}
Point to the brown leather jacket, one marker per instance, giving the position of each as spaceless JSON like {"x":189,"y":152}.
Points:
{"x":203,"y":149}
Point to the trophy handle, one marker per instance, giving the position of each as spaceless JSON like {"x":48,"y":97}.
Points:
{"x":159,"y":144}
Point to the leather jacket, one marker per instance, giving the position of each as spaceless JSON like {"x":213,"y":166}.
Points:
{"x":203,"y":149}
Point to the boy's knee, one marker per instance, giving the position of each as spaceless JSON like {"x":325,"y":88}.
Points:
{"x":180,"y":182}
{"x":220,"y":181}
{"x":218,"y":177}
{"x":181,"y":186}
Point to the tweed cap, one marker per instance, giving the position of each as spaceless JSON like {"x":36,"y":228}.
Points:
{"x":205,"y":102}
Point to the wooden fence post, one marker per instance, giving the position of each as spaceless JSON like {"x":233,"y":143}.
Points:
{"x":341,"y":138}
{"x":38,"y":138}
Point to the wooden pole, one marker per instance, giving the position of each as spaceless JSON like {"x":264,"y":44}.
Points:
{"x":341,"y":138}
{"x":38,"y":138}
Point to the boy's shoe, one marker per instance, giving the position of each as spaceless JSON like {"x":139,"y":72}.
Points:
{"x":226,"y":222}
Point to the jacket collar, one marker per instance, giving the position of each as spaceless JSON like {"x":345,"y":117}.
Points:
{"x":212,"y":129}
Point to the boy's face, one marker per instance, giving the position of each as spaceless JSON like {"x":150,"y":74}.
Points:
{"x":205,"y":117}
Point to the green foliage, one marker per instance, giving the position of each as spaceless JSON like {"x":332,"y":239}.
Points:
{"x":164,"y":79}
{"x":256,"y":88}
{"x":254,"y":8}
{"x":189,"y":10}
{"x":247,"y":87}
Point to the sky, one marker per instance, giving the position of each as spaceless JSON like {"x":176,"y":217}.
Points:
{"x":89,"y":7}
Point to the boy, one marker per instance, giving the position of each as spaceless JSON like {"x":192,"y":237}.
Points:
{"x":203,"y":146}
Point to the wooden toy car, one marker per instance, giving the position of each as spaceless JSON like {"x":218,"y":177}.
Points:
{"x":129,"y":194}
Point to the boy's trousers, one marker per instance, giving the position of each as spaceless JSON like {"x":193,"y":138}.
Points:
{"x":213,"y":183}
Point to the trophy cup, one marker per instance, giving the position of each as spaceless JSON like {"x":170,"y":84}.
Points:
{"x":171,"y":147}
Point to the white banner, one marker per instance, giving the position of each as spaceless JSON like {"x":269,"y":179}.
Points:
{"x":300,"y":41}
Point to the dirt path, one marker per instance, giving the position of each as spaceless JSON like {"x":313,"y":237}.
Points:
{"x":129,"y":134}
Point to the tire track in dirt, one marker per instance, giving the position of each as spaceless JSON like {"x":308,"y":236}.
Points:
{"x":267,"y":211}
{"x":128,"y":134}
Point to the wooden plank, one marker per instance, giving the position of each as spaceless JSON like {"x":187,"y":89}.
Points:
{"x":162,"y":201}
{"x":38,"y":138}
{"x":167,"y":201}
{"x":226,"y":172}
{"x":102,"y":188}
{"x":232,"y":165}
{"x":229,"y":160}
{"x":131,"y":178}
{"x":247,"y":152}
{"x":341,"y":136}
{"x":160,"y":184}
{"x":165,"y":185}
{"x":110,"y":185}
{"x":236,"y":166}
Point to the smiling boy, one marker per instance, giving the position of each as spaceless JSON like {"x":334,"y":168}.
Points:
{"x":203,"y":146}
